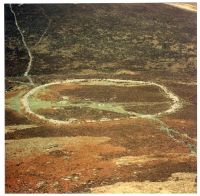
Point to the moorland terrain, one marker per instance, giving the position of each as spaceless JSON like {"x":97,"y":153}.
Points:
{"x":100,"y":98}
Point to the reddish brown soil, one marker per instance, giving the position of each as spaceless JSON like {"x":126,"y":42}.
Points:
{"x":116,"y":93}
{"x":129,"y":137}
{"x":83,"y":164}
{"x":53,"y":92}
{"x":53,"y":168}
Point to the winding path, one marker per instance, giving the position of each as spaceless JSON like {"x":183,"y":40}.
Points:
{"x":25,"y":45}
{"x":29,"y":66}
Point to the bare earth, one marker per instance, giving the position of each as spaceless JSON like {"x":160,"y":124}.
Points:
{"x":177,"y":183}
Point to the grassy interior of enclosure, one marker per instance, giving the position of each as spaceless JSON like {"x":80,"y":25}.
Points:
{"x":62,"y":102}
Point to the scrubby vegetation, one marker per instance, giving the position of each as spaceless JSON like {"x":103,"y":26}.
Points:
{"x":102,"y":37}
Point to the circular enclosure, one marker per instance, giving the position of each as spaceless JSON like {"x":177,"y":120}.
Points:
{"x":91,"y":100}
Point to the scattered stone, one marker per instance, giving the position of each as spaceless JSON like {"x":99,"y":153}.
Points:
{"x":55,"y":184}
{"x":89,"y":182}
{"x":40,"y":184}
{"x":104,"y":119}
{"x":90,"y":120}
{"x":72,"y":120}
{"x":66,"y":178}
{"x":74,"y":176}
{"x":66,"y":157}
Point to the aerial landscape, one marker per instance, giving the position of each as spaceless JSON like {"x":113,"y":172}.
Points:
{"x":101,"y":98}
